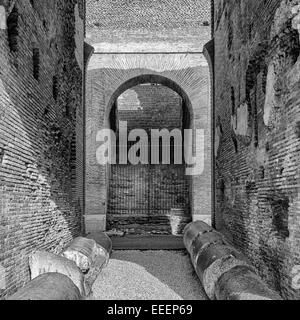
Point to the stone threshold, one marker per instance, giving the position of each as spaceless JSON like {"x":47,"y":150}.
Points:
{"x":148,"y":242}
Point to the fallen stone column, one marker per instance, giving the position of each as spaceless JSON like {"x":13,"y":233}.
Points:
{"x":226,"y":274}
{"x":192,"y":231}
{"x":213,"y":261}
{"x":70,"y":275}
{"x":84,"y":252}
{"x":42,"y":262}
{"x":91,"y":255}
{"x":48,"y":286}
{"x":202,"y":241}
{"x":103,"y":240}
{"x":241,"y":283}
{"x":104,"y":245}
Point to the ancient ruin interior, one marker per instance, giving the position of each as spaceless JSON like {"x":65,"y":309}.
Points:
{"x":227,"y":69}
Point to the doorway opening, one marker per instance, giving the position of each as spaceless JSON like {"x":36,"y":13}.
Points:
{"x":149,"y":199}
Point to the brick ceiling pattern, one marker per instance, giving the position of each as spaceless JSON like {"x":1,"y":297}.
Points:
{"x":148,"y":25}
{"x":147,"y":14}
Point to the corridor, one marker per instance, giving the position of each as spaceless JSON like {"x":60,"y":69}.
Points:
{"x":222,"y":77}
{"x":148,"y":275}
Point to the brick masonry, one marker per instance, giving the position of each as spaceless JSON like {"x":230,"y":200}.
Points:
{"x":141,"y":198}
{"x":257,"y":120}
{"x":41,"y":135}
{"x":108,"y":76}
{"x":137,"y":42}
{"x":257,"y":134}
{"x":148,"y":25}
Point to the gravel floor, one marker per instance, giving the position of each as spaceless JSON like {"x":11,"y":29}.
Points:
{"x":148,"y":275}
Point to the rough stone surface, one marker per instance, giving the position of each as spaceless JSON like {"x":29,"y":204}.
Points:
{"x":101,"y":239}
{"x":217,"y":263}
{"x":204,"y":240}
{"x":98,"y":257}
{"x":48,"y":286}
{"x":213,"y":272}
{"x":44,"y":262}
{"x":257,"y":177}
{"x":240,"y":121}
{"x":241,"y":283}
{"x":192,"y":231}
{"x":2,"y":17}
{"x":41,"y":133}
{"x":82,"y":251}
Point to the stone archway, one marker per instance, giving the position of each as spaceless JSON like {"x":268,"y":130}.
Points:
{"x":109,"y":75}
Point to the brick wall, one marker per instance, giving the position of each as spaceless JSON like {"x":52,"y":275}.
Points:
{"x":257,"y":70}
{"x":141,"y":197}
{"x":40,"y":123}
{"x":150,"y":107}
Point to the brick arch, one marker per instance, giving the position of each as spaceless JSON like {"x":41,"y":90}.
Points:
{"x":187,"y":74}
{"x":108,"y":75}
{"x":156,"y":79}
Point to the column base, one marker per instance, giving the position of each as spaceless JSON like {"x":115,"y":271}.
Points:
{"x":95,"y":223}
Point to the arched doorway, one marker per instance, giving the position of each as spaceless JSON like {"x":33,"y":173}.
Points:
{"x":108,"y":77}
{"x":150,"y":197}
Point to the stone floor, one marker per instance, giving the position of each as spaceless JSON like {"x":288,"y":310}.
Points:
{"x":148,"y":275}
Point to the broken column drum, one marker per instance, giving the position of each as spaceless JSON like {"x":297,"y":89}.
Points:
{"x":225,"y":273}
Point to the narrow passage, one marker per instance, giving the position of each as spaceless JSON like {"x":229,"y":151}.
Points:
{"x":148,"y":275}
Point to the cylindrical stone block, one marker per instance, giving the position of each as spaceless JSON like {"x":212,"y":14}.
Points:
{"x":214,"y":252}
{"x":204,"y":240}
{"x":214,"y":261}
{"x":82,"y":251}
{"x":48,"y":286}
{"x":42,"y":262}
{"x":102,"y":239}
{"x":241,"y":283}
{"x":104,"y":245}
{"x":192,"y":230}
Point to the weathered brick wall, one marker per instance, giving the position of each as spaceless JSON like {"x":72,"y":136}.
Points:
{"x":141,"y":197}
{"x":150,"y":107}
{"x":41,"y":132}
{"x":257,"y":70}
